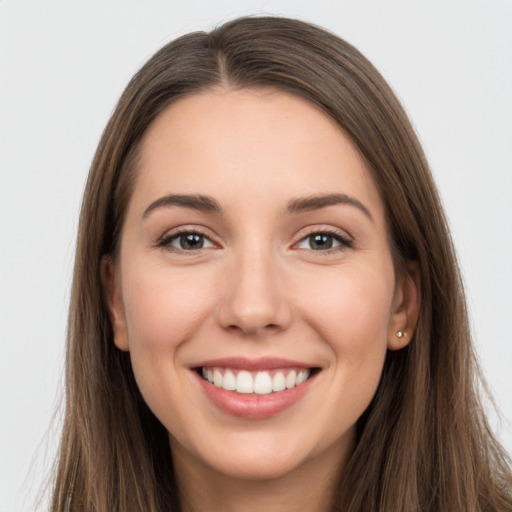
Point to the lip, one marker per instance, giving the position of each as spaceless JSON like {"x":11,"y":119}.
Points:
{"x":252,"y":406}
{"x":260,"y":363}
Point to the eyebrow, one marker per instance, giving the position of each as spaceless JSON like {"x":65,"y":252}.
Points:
{"x":208,"y":204}
{"x":196,"y":202}
{"x":316,"y":202}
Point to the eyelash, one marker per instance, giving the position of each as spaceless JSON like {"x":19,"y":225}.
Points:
{"x":166,"y":240}
{"x":344,"y":241}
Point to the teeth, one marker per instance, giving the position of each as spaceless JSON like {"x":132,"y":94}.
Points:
{"x":261,"y":383}
{"x":302,"y":377}
{"x":244,"y":382}
{"x":217,"y":378}
{"x":291,"y":380}
{"x":229,"y":381}
{"x":278,"y":382}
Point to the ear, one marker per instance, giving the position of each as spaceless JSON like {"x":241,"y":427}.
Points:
{"x":112,"y":294}
{"x":405,"y":308}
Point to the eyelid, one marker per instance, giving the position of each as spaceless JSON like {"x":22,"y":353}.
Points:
{"x":345,"y":240}
{"x":170,"y":235}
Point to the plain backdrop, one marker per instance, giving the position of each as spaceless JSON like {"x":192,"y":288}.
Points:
{"x":63,"y":65}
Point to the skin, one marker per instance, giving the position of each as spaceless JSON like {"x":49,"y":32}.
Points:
{"x":256,"y":288}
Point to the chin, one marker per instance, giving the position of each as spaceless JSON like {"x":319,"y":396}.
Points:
{"x":271,"y":455}
{"x":258,"y":467}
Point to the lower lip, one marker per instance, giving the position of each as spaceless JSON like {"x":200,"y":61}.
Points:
{"x":253,"y":406}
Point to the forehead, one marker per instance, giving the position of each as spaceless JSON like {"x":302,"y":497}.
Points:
{"x":253,"y":146}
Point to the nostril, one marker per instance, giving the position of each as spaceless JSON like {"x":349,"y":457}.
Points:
{"x":252,"y":306}
{"x":253,"y":330}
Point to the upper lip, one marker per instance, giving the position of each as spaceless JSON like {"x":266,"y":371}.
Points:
{"x":260,"y":363}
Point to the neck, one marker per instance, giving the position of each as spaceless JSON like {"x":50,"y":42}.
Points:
{"x":309,"y":488}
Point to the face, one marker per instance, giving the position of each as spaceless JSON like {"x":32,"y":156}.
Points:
{"x":254,"y":287}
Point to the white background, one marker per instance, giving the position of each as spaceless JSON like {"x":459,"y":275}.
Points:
{"x":64,"y":64}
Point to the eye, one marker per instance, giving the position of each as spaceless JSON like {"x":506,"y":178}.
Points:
{"x":324,"y":241}
{"x":187,"y":241}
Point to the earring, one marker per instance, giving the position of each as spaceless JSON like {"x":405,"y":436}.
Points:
{"x":400,"y":334}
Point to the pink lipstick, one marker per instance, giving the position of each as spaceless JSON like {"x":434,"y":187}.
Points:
{"x":254,"y":388}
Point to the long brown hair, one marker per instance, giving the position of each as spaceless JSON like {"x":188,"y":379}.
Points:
{"x":423,"y":443}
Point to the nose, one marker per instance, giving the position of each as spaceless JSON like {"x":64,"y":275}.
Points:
{"x":253,"y":299}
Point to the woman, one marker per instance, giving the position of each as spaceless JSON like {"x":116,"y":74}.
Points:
{"x":266,"y":312}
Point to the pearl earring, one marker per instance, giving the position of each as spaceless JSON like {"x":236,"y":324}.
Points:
{"x":400,"y":334}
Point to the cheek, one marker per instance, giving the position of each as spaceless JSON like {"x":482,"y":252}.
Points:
{"x":352,"y":308}
{"x":352,"y":318}
{"x":163,"y":307}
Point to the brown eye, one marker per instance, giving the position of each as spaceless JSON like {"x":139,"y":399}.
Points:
{"x":320,"y":242}
{"x":187,"y":241}
{"x":324,"y":241}
{"x":191,"y":241}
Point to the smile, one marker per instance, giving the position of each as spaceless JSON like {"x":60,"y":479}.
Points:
{"x":255,"y":389}
{"x":261,"y":382}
